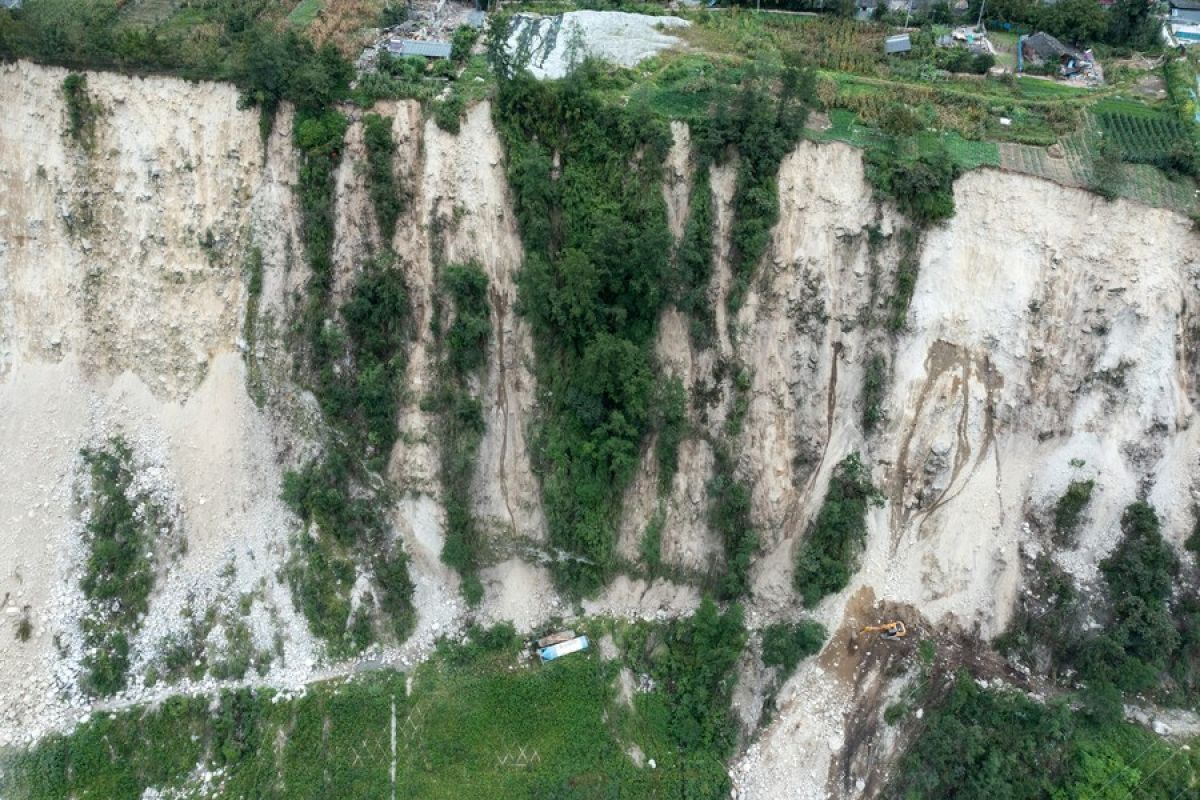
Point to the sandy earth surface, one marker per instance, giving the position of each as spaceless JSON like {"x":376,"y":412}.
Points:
{"x":551,"y":46}
{"x":119,"y":313}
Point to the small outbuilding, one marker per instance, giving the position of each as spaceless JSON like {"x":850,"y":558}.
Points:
{"x":900,"y":43}
{"x":414,"y":47}
{"x":1042,"y":48}
{"x":1185,"y":11}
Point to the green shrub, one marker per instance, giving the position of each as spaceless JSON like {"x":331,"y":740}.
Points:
{"x":672,"y":425}
{"x":920,"y":181}
{"x":786,"y":644}
{"x":693,"y":261}
{"x":597,"y":246}
{"x":119,"y":572}
{"x":81,"y":110}
{"x":382,"y":185}
{"x":874,"y":391}
{"x":729,"y":516}
{"x":907,"y":272}
{"x":460,"y":417}
{"x":462,"y":41}
{"x":651,"y":544}
{"x":829,"y":554}
{"x":1068,"y":511}
{"x":1143,"y":565}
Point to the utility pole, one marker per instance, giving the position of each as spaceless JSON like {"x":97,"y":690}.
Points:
{"x":979,"y":23}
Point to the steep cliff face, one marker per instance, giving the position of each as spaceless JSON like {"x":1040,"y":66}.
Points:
{"x":1049,"y":340}
{"x":123,"y":295}
{"x":1051,"y":337}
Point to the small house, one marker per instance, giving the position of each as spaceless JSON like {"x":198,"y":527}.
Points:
{"x":413,"y":47}
{"x":900,"y":43}
{"x":10,"y":4}
{"x":1042,"y":48}
{"x":1185,"y":11}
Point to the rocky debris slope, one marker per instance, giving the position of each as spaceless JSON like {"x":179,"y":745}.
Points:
{"x":551,"y":46}
{"x":1049,"y":340}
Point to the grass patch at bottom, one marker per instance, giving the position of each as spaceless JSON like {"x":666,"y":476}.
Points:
{"x":480,"y":722}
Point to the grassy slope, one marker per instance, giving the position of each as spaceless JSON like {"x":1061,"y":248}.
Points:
{"x":460,"y":733}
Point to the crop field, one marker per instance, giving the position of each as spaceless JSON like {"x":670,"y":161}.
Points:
{"x":1143,"y":139}
{"x":1073,"y":167}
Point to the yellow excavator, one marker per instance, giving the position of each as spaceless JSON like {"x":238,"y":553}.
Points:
{"x":888,"y":630}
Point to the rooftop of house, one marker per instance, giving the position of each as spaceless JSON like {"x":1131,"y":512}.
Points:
{"x":414,"y":47}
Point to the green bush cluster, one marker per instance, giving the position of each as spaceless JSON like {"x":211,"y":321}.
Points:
{"x":81,"y":110}
{"x":1068,"y":511}
{"x":729,"y":516}
{"x":1148,"y":640}
{"x":874,"y":391}
{"x":597,"y":244}
{"x":960,"y":59}
{"x":119,"y":572}
{"x":698,"y":669}
{"x":907,"y":271}
{"x":672,"y":426}
{"x":382,"y":184}
{"x":462,"y":41}
{"x":977,"y":742}
{"x":359,"y":372}
{"x":786,"y":644}
{"x":829,"y":554}
{"x":693,"y":263}
{"x":460,"y":420}
{"x":918,"y":179}
{"x":761,"y":126}
{"x":344,"y":527}
{"x":693,"y":663}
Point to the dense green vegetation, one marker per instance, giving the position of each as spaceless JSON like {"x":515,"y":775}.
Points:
{"x":477,"y":721}
{"x":874,"y":391}
{"x":597,"y":246}
{"x":920,"y":181}
{"x":692,"y":662}
{"x":120,"y":535}
{"x":829,"y":554}
{"x":1068,"y":511}
{"x":760,"y":124}
{"x":460,"y":420}
{"x":786,"y":644}
{"x":694,"y":263}
{"x":343,"y":528}
{"x":976,"y":742}
{"x":672,"y":426}
{"x":729,"y":516}
{"x":81,"y":110}
{"x":382,"y":185}
{"x":1147,"y":641}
